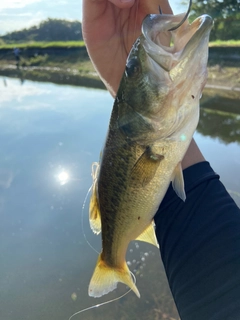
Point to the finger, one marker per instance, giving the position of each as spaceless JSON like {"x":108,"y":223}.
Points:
{"x":123,"y":4}
{"x":150,"y":6}
{"x":92,"y":9}
{"x":165,"y":7}
{"x":153,"y":6}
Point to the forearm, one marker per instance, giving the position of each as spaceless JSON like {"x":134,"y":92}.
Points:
{"x":192,"y":156}
{"x":200,"y":247}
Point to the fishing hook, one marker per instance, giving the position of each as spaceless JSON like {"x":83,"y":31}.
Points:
{"x":185,"y":17}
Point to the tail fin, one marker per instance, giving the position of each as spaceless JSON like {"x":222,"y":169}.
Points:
{"x":105,"y":279}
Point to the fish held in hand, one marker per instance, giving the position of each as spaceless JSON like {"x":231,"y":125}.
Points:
{"x":154,"y":116}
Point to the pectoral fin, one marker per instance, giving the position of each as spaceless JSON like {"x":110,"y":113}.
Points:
{"x":178,"y":182}
{"x":148,"y":235}
{"x":94,"y":210}
{"x":145,"y":168}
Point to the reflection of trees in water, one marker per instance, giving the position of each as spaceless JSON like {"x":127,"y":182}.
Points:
{"x":221,"y":100}
{"x":219,"y":124}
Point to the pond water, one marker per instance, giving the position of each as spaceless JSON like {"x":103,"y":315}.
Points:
{"x":49,"y":136}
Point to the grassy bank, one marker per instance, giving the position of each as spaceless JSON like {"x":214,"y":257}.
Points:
{"x":39,"y":45}
{"x":226,"y":43}
{"x":77,"y":44}
{"x":68,"y":63}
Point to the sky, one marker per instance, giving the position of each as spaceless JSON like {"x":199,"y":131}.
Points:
{"x":20,"y":14}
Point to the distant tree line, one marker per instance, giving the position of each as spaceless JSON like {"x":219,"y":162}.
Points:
{"x":226,"y":15}
{"x":49,"y":30}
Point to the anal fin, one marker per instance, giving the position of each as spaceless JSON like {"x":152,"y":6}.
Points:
{"x":148,"y":235}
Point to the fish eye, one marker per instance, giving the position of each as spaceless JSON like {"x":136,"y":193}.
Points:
{"x":132,"y":68}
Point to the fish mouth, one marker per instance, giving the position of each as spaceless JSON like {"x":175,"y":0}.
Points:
{"x":166,"y":47}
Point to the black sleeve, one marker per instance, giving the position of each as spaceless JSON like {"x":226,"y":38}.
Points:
{"x":200,"y":247}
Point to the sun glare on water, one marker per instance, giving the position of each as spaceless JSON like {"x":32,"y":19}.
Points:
{"x":63,"y":177}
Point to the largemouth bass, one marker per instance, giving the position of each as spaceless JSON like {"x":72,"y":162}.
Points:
{"x":154,"y":116}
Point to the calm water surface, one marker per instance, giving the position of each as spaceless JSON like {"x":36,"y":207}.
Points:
{"x":49,"y":137}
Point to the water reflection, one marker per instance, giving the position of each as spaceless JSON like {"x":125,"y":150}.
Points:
{"x":50,"y":135}
{"x":6,"y":178}
{"x":12,"y":92}
{"x":63,"y":177}
{"x":219,"y":124}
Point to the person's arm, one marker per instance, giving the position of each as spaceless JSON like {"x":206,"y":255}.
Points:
{"x":192,"y":156}
{"x":200,"y":246}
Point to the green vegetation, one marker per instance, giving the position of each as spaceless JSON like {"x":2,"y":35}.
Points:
{"x":225,"y":43}
{"x":34,"y":61}
{"x":54,"y":50}
{"x":226,"y":15}
{"x":80,"y":44}
{"x":49,"y":30}
{"x":53,"y":32}
{"x":64,"y":63}
{"x":42,"y":44}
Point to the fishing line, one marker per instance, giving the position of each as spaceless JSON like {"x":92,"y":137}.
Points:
{"x":106,"y":302}
{"x":184,"y":19}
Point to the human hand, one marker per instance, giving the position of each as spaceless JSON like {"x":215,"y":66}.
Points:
{"x":110,"y":28}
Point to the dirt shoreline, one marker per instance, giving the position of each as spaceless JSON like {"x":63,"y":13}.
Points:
{"x":64,"y":76}
{"x":219,"y":78}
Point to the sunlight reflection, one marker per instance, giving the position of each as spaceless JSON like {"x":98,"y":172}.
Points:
{"x":63,"y":177}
